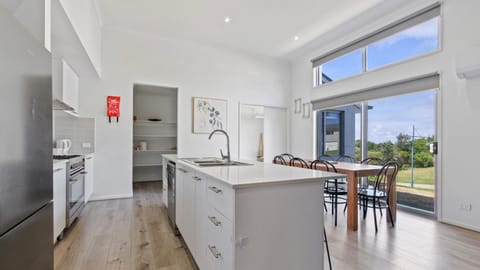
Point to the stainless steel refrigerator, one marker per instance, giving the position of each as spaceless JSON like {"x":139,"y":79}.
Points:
{"x":26,"y":225}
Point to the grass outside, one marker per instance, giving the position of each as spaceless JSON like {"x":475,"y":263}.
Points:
{"x":417,"y":197}
{"x":420,"y":176}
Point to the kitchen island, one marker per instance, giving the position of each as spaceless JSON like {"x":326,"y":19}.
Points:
{"x":258,"y":216}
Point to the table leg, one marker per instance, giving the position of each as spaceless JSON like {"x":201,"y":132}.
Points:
{"x":392,"y":200}
{"x":352,"y":201}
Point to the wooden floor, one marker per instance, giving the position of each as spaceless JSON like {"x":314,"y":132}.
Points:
{"x":134,"y":234}
{"x":123,"y":234}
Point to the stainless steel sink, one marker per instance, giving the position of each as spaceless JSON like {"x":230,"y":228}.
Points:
{"x":213,"y":162}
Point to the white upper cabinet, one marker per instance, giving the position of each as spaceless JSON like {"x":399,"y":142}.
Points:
{"x":65,"y":86}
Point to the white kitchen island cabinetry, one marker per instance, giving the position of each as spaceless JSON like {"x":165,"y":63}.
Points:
{"x":59,"y":197}
{"x":262,"y":216}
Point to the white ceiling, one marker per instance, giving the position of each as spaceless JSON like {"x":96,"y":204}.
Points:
{"x":266,"y":27}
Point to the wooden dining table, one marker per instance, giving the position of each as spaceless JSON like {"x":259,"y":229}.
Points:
{"x":354,"y":171}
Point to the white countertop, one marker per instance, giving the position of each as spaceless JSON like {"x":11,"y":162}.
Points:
{"x":260,"y":174}
{"x":171,"y":157}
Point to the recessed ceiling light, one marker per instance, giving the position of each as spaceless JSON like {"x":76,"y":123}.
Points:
{"x":296,"y":38}
{"x":227,"y":20}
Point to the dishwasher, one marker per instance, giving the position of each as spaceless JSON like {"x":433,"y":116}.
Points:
{"x":171,"y":167}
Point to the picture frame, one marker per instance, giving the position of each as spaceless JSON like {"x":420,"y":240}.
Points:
{"x":298,"y":105}
{"x":209,"y":114}
{"x":307,"y":108}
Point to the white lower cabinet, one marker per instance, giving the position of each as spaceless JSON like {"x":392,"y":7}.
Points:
{"x":89,"y":176}
{"x":207,"y":233}
{"x":59,"y":198}
{"x":219,"y":245}
{"x":199,"y":222}
{"x":182,"y":174}
{"x":165,"y":182}
{"x":189,"y":212}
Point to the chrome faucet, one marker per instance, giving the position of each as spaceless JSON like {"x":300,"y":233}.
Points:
{"x":227,"y":157}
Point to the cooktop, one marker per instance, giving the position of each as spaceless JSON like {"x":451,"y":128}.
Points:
{"x":65,"y":156}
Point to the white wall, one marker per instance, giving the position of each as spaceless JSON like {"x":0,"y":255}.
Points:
{"x":30,"y":13}
{"x":275,"y":134}
{"x":196,"y":70}
{"x":87,"y":22}
{"x":459,"y":103}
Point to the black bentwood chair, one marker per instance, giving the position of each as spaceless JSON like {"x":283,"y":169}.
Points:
{"x":336,"y":189}
{"x":279,"y":160}
{"x":377,"y":196}
{"x":346,"y":158}
{"x":303,"y":164}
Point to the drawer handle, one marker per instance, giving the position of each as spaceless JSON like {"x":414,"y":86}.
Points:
{"x":214,"y":251}
{"x":215,"y":189}
{"x":88,"y":158}
{"x":196,"y":178}
{"x":58,"y":169}
{"x":182,"y":170}
{"x":214,"y":221}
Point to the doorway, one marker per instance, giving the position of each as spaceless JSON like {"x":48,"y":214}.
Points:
{"x":262,"y":132}
{"x":154,"y":130}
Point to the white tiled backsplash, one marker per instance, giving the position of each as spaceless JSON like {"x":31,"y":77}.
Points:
{"x":80,"y":130}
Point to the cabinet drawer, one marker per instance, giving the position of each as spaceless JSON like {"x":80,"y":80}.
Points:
{"x":219,"y":248}
{"x":220,"y":226}
{"x":221,"y":197}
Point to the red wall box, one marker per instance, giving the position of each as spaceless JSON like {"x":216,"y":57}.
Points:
{"x":113,"y":107}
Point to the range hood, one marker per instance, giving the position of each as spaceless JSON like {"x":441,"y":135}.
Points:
{"x":59,"y":105}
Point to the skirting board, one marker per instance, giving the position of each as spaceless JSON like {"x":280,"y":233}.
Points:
{"x":110,"y":197}
{"x":459,"y":224}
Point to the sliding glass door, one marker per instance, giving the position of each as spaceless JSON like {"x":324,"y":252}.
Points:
{"x":400,"y":128}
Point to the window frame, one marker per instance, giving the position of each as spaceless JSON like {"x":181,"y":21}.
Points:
{"x":316,"y":68}
{"x":321,"y":132}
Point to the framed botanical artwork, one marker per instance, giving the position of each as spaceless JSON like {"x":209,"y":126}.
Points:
{"x":209,"y":114}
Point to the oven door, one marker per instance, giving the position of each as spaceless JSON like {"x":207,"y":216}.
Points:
{"x":76,"y":186}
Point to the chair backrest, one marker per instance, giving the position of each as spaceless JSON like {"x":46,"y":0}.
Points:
{"x":388,"y":172}
{"x":323,"y":164}
{"x":294,"y":161}
{"x":287,"y":156}
{"x":372,"y":161}
{"x":326,"y":157}
{"x":279,"y":160}
{"x":346,"y":158}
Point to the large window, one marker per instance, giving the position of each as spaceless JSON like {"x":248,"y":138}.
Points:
{"x":420,"y":39}
{"x":411,"y":37}
{"x":342,"y":67}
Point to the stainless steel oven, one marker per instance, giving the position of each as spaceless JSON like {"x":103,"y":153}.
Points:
{"x":75,"y":187}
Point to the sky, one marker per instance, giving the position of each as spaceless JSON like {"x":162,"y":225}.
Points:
{"x":391,"y":116}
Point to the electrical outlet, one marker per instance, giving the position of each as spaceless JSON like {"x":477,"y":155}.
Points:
{"x":86,"y":145}
{"x":466,"y":207}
